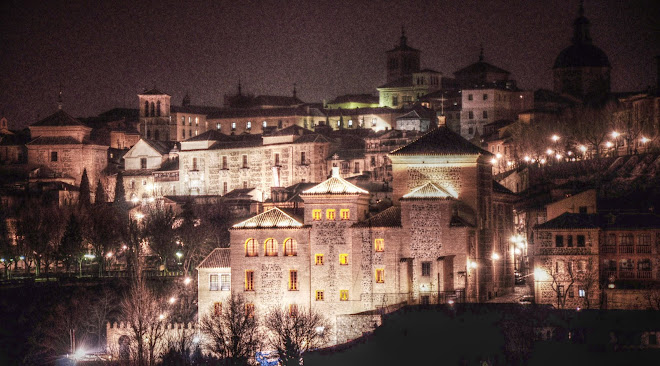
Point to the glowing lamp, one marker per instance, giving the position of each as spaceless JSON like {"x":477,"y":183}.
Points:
{"x":549,"y":151}
{"x":89,"y":256}
{"x":583,"y":148}
{"x":79,"y":354}
{"x":517,"y":251}
{"x":542,"y":161}
{"x":493,"y":161}
{"x":558,"y":156}
{"x":179,"y":255}
{"x":161,"y":316}
{"x":555,"y":138}
{"x":109,"y":255}
{"x":526,"y":158}
{"x":495,"y":256}
{"x":320,"y":329}
{"x":615,"y":134}
{"x":540,"y":274}
{"x":609,"y":144}
{"x":139,"y":215}
{"x":172,"y":300}
{"x":21,"y":258}
{"x":498,"y":156}
{"x":473,"y":264}
{"x":134,"y":200}
{"x":187,"y":281}
{"x":644,"y":140}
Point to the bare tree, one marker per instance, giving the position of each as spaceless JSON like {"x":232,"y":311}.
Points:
{"x":562,"y":284}
{"x":232,"y":332}
{"x":293,"y":334}
{"x":159,"y":233}
{"x":97,"y":314}
{"x":193,"y":234}
{"x":39,"y":228}
{"x":143,"y":312}
{"x":591,"y":126}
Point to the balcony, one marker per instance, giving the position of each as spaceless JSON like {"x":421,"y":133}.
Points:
{"x":643,"y":249}
{"x":626,"y":274}
{"x":626,"y":249}
{"x":608,"y":249}
{"x":645,"y":275}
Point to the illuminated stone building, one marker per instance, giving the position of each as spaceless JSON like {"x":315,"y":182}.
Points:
{"x":151,"y":170}
{"x":444,"y":240}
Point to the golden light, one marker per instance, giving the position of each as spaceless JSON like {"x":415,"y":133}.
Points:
{"x":495,"y":256}
{"x":569,"y":153}
{"x":109,"y":255}
{"x":517,"y":251}
{"x":473,"y":264}
{"x":644,"y":140}
{"x":609,"y":144}
{"x":555,"y":138}
{"x":540,"y":274}
{"x":493,"y":161}
{"x":542,"y":161}
{"x":509,"y":163}
{"x":615,"y":134}
{"x":135,"y":200}
{"x":526,"y":158}
{"x":187,"y":281}
{"x":139,"y":216}
{"x":161,"y":316}
{"x":583,"y":148}
{"x":558,"y":156}
{"x":549,"y":151}
{"x":498,"y":156}
{"x":172,"y":300}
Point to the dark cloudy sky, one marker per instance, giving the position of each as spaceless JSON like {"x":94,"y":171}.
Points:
{"x":105,"y":52}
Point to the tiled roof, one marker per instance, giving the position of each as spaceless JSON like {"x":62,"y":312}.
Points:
{"x":335,"y":185}
{"x":218,"y":258}
{"x":259,"y":112}
{"x":194,"y":109}
{"x":313,"y":137}
{"x":428,"y":190}
{"x":571,"y":221}
{"x":498,"y":188}
{"x":293,"y":130}
{"x":479,"y":68}
{"x":355,"y":98}
{"x":390,"y":217}
{"x":410,"y":115}
{"x":634,"y":221}
{"x":153,"y":91}
{"x":59,"y":118}
{"x":440,"y":141}
{"x":161,"y":147}
{"x":54,"y":140}
{"x":273,"y":218}
{"x":401,"y":82}
{"x":210,"y":135}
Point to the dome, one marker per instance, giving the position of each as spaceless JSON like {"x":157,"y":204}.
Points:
{"x":581,"y":55}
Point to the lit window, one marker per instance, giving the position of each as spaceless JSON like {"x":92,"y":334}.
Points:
{"x":380,"y":275}
{"x":196,"y":121}
{"x":318,"y":259}
{"x":293,"y":280}
{"x":233,"y":126}
{"x":217,"y":126}
{"x":582,"y":292}
{"x":290,"y":247}
{"x":316,"y":215}
{"x":293,"y":310}
{"x":330,"y":214}
{"x":343,"y":295}
{"x":225,"y":282}
{"x":379,"y":245}
{"x":224,"y":162}
{"x":214,"y":282}
{"x":350,"y":123}
{"x":183,"y":121}
{"x":249,"y":280}
{"x":345,"y":214}
{"x":249,"y":125}
{"x":249,"y":310}
{"x":343,"y":259}
{"x":426,"y":269}
{"x":251,"y":248}
{"x":217,"y":309}
{"x":270,"y":247}
{"x":319,"y":295}
{"x":189,"y":121}
{"x":264,"y":124}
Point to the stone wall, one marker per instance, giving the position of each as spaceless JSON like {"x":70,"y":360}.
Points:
{"x":121,"y":345}
{"x":352,"y":326}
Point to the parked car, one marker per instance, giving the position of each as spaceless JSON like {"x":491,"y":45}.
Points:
{"x":519,"y":279}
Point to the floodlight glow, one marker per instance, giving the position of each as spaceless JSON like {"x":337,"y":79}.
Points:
{"x":109,"y":255}
{"x":187,"y":281}
{"x":517,"y":251}
{"x":172,"y":300}
{"x":615,"y":134}
{"x":527,"y":158}
{"x":549,"y":151}
{"x":495,"y":256}
{"x":135,"y":200}
{"x":583,"y":148}
{"x":89,"y":256}
{"x":555,"y":138}
{"x":644,"y":140}
{"x":609,"y":144}
{"x":473,"y":264}
{"x":493,"y":161}
{"x":540,"y":274}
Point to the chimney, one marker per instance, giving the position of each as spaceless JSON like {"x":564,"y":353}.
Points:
{"x":335,"y":171}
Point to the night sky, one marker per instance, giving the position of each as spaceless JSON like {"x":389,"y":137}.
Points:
{"x":105,"y":52}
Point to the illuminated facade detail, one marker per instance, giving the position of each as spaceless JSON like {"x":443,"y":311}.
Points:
{"x":318,"y":259}
{"x":343,"y":295}
{"x":249,"y":280}
{"x":380,"y":275}
{"x":319,"y":295}
{"x":330,"y":214}
{"x":345,"y":214}
{"x":214,"y":282}
{"x":270,"y":247}
{"x":293,"y":310}
{"x":290,"y":247}
{"x":249,"y":310}
{"x":316,"y":215}
{"x":379,"y":245}
{"x":343,"y":259}
{"x":293,"y":280}
{"x":251,"y":248}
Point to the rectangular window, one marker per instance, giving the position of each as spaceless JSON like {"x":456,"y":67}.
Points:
{"x":581,"y":292}
{"x":343,"y":295}
{"x":249,"y":125}
{"x":319,"y":295}
{"x":303,"y":161}
{"x":485,"y":96}
{"x":194,"y":164}
{"x":224,"y":162}
{"x":395,"y":100}
{"x":343,"y":259}
{"x":571,"y":294}
{"x":470,"y":97}
{"x":373,"y":122}
{"x":233,"y":126}
{"x":559,"y":241}
{"x":316,"y":215}
{"x":379,"y":245}
{"x":143,"y":163}
{"x":356,"y":168}
{"x":345,"y":214}
{"x":380,"y":275}
{"x":224,"y":187}
{"x":249,"y":280}
{"x":217,"y":126}
{"x":183,"y":133}
{"x":330,"y":214}
{"x":53,"y":156}
{"x":318,"y":259}
{"x":217,"y":308}
{"x":293,"y":280}
{"x":225,"y":282}
{"x":293,"y":310}
{"x":249,"y":310}
{"x":471,"y":115}
{"x":569,"y":241}
{"x":580,"y":241}
{"x":245,"y":161}
{"x":485,"y":114}
{"x":214,"y":282}
{"x":426,"y":269}
{"x":373,"y":161}
{"x":277,"y":159}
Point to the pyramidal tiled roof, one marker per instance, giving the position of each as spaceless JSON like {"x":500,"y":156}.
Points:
{"x":429,"y":190}
{"x":390,"y":217}
{"x":273,"y":218}
{"x":218,"y":258}
{"x":440,"y":141}
{"x":59,"y":118}
{"x":335,"y":185}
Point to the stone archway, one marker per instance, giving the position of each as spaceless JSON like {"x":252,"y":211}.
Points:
{"x":124,"y":348}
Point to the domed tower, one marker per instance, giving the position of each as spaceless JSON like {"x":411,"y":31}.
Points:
{"x":582,"y":69}
{"x":402,"y":60}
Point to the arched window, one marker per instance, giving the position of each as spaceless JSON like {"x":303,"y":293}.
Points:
{"x":146,"y":108}
{"x":251,"y":248}
{"x":290,"y":247}
{"x":270,"y":247}
{"x":158,"y":108}
{"x":153,"y":109}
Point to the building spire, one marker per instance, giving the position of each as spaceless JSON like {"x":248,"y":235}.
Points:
{"x":481,"y":53}
{"x":581,"y":27}
{"x":59,"y":98}
{"x":239,"y":86}
{"x":403,"y":40}
{"x":295,"y":93}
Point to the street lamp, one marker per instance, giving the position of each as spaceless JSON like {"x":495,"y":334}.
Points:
{"x":555,"y":138}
